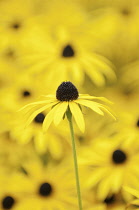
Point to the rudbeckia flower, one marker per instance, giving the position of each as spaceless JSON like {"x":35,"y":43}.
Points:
{"x":67,"y":96}
{"x":14,"y":20}
{"x":49,"y":187}
{"x":126,"y":14}
{"x":112,"y":163}
{"x":52,"y":143}
{"x":20,"y":92}
{"x":65,"y":50}
{"x":11,"y":196}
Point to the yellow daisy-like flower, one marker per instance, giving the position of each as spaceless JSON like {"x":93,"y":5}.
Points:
{"x":65,"y":50}
{"x":51,"y":187}
{"x":112,"y":163}
{"x":67,"y":97}
{"x":50,"y":143}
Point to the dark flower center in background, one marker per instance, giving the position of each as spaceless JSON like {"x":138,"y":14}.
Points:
{"x":26,"y":93}
{"x":126,"y":12}
{"x":68,"y":51}
{"x":39,"y":118}
{"x":10,"y":53}
{"x":16,"y":25}
{"x":67,"y":92}
{"x":8,"y":202}
{"x":119,"y":156}
{"x":137,"y":123}
{"x":45,"y":189}
{"x":110,"y":200}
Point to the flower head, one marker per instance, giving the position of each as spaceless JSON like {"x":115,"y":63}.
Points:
{"x":112,"y":163}
{"x":67,"y":98}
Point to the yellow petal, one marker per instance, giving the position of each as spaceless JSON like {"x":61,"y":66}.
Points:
{"x":76,"y":111}
{"x":106,"y":109}
{"x":132,"y":191}
{"x":60,"y":112}
{"x":49,"y":118}
{"x":91,"y":104}
{"x":35,"y":113}
{"x":87,"y":96}
{"x":37,"y":103}
{"x":41,"y":142}
{"x":55,"y":147}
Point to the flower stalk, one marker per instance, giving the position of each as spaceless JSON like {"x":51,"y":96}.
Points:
{"x":69,"y":117}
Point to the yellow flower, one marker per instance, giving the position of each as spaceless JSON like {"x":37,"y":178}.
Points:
{"x":14,"y":20}
{"x":20,"y":92}
{"x":11,"y":196}
{"x":63,"y":49}
{"x":50,"y":143}
{"x":49,"y":187}
{"x":13,"y":154}
{"x":112,"y":163}
{"x":67,"y":96}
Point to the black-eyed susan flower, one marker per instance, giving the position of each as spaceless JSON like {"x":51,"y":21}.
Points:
{"x":23,"y":91}
{"x":67,"y":97}
{"x":64,"y":49}
{"x":112,"y":163}
{"x":50,"y":187}
{"x":52,"y":142}
{"x":11,"y":195}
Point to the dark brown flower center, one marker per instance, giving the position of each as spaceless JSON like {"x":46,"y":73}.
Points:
{"x":126,"y":12}
{"x":39,"y":118}
{"x":45,"y":189}
{"x":68,"y":51}
{"x":67,"y":92}
{"x":16,"y":26}
{"x":26,"y":93}
{"x":119,"y":156}
{"x":110,"y":199}
{"x":8,"y":202}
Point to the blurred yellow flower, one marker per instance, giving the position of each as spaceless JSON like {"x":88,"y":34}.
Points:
{"x":64,"y":51}
{"x":50,"y":143}
{"x":49,"y":187}
{"x":112,"y":163}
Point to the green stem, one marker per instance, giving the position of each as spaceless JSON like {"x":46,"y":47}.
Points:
{"x":69,"y":116}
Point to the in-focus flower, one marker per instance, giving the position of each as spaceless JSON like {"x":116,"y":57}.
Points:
{"x":112,"y":163}
{"x":67,"y":97}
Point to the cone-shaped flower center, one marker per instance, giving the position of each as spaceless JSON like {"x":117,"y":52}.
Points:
{"x":45,"y":189}
{"x":26,"y":93}
{"x":119,"y":156}
{"x":67,"y":92}
{"x":68,"y":51}
{"x":39,"y":118}
{"x":8,"y":202}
